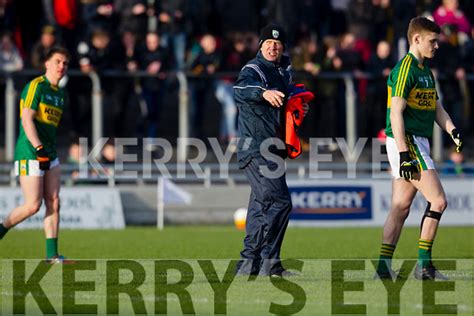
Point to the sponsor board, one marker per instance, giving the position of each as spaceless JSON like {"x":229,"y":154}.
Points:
{"x":81,"y":208}
{"x":331,"y":202}
{"x":339,"y":202}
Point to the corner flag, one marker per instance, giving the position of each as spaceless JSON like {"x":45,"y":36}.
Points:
{"x":169,"y":193}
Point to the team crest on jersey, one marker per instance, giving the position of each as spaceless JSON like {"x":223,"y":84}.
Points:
{"x":57,"y":100}
{"x":54,"y":100}
{"x":275,"y":33}
{"x":426,"y":81}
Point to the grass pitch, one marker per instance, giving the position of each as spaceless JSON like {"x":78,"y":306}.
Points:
{"x":198,"y":261}
{"x":225,"y":242}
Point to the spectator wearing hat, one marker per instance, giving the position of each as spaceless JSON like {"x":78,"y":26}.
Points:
{"x":42,"y":47}
{"x":261,"y":92}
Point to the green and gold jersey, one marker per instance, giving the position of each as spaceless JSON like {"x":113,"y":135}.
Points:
{"x":415,"y":83}
{"x":48,"y":102}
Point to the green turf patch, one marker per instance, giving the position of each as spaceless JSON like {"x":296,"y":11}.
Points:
{"x":200,"y":258}
{"x":209,"y":287}
{"x":221,"y":242}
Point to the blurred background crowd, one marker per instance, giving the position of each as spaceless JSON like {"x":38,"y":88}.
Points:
{"x":212,"y":39}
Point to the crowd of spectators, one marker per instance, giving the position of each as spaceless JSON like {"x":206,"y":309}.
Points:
{"x":208,"y":37}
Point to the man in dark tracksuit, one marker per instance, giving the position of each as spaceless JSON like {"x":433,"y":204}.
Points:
{"x":260,"y":93}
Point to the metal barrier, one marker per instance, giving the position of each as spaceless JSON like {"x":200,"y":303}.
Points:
{"x":351,"y":127}
{"x":182,"y":78}
{"x":133,"y":173}
{"x":10,"y":118}
{"x":183,"y":116}
{"x":97,"y":111}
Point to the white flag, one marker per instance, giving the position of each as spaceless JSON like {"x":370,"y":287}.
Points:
{"x":172,"y":194}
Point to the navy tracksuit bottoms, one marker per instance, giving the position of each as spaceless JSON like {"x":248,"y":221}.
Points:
{"x":267,"y":217}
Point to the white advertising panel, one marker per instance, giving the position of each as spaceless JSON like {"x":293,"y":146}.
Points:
{"x":81,"y":208}
{"x":367,"y":202}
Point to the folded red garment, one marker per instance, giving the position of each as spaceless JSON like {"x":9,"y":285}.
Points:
{"x":294,"y":118}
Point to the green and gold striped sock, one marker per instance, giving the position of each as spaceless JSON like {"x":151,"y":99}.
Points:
{"x":385,"y":259}
{"x":424,"y":252}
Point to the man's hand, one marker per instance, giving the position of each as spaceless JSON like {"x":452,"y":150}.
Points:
{"x":408,"y":166}
{"x":457,"y":139}
{"x":42,"y":157}
{"x":274,"y":97}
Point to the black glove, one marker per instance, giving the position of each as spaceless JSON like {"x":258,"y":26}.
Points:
{"x":42,"y":157}
{"x":408,"y":166}
{"x":457,"y":139}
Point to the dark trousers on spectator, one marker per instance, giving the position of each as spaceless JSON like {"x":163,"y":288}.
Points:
{"x":154,"y":101}
{"x":267,"y":218}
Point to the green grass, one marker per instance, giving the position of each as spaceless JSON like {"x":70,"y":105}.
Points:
{"x":225,"y":242}
{"x":314,"y":291}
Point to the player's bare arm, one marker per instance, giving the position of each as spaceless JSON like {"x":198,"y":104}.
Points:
{"x":398,"y":126}
{"x":443,"y":119}
{"x":27,"y":120}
